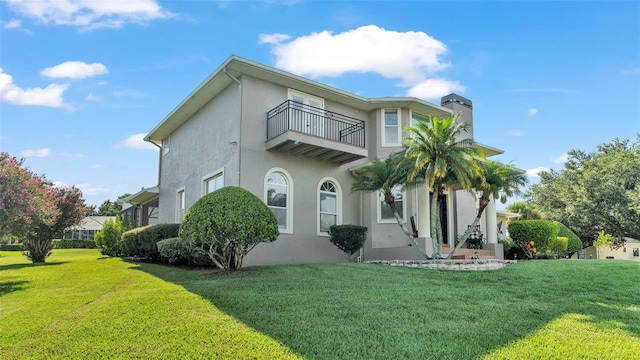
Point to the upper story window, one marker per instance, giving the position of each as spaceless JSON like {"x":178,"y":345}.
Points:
{"x":385,"y":214}
{"x":278,"y":190}
{"x":391,"y":127}
{"x":212,"y":182}
{"x":165,"y":145}
{"x":180,"y":204}
{"x":329,"y":205}
{"x":415,"y":117}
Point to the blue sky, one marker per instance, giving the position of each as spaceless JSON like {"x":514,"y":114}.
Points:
{"x":83,"y":81}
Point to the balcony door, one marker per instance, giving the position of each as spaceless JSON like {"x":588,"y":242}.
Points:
{"x":306,"y":113}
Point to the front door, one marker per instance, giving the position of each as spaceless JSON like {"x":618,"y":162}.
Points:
{"x":306,"y":114}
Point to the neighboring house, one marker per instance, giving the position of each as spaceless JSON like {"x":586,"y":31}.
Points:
{"x":296,"y":144}
{"x":141,"y":207}
{"x":630,"y":251}
{"x":87,"y":228}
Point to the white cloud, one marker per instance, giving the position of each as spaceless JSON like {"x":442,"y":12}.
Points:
{"x":90,"y":14}
{"x":12,"y":94}
{"x":37,"y":152}
{"x":532,"y":111}
{"x":95,"y":166}
{"x":635,"y":71}
{"x":136,"y":141}
{"x":59,"y":184}
{"x":91,"y":97}
{"x":72,"y":155}
{"x":515,"y":132}
{"x":435,"y":88}
{"x":411,"y":56}
{"x":535,"y":172}
{"x":75,"y":70}
{"x":88,"y":189}
{"x":273,"y":38}
{"x":561,"y":159}
{"x":11,"y":24}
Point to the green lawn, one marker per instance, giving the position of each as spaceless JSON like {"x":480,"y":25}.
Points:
{"x":83,"y":305}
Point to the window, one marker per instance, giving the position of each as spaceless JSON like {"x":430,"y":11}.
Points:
{"x":278,"y":190}
{"x":391,"y":127}
{"x":180,"y":205}
{"x":415,"y":117}
{"x":212,"y":182}
{"x":165,"y":145}
{"x":384,"y":210}
{"x":329,"y":205}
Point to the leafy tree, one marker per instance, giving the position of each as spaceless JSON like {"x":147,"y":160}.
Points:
{"x":594,"y":192}
{"x":71,"y":208}
{"x":109,"y":239}
{"x":348,"y":238}
{"x":228,"y":223}
{"x":526,"y":210}
{"x":111,"y":208}
{"x":495,"y":181}
{"x":440,"y":155}
{"x":34,"y":209}
{"x":384,"y":176}
{"x":24,"y":199}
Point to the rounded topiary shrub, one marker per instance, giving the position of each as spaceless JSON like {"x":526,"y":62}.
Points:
{"x":348,"y":238}
{"x":226,"y":224}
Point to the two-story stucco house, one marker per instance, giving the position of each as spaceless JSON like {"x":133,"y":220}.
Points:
{"x":295,"y":143}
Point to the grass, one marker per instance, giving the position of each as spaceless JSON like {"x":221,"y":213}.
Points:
{"x":82,"y":305}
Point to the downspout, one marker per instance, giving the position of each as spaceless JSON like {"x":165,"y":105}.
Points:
{"x":224,"y":70}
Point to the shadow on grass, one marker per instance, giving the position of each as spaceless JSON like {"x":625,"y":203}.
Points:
{"x":30,"y":265}
{"x":370,"y":311}
{"x":11,"y":286}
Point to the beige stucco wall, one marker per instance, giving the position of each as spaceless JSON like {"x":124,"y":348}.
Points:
{"x":623,"y":253}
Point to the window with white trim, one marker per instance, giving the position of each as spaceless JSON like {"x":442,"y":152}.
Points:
{"x":165,"y":145}
{"x":278,"y":190}
{"x":180,"y":204}
{"x":212,"y":182}
{"x":391,"y":129}
{"x":415,"y":117}
{"x":329,"y":205}
{"x":385,"y":214}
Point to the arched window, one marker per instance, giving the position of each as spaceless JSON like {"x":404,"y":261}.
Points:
{"x":278,"y":190}
{"x":329,"y":205}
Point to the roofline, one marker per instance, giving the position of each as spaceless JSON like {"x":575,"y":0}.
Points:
{"x":367,"y":104}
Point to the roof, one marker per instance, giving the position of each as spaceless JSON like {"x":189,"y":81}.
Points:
{"x":143,"y":196}
{"x":93,"y":222}
{"x":235,"y":66}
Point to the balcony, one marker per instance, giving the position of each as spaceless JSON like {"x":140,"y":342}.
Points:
{"x":309,"y":131}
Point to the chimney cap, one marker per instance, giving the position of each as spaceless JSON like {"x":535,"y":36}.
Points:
{"x":455,"y":98}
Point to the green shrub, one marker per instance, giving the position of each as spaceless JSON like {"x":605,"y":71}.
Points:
{"x":226,"y":224}
{"x":142,"y":241}
{"x":73,"y":244}
{"x":558,"y":246}
{"x":11,"y":247}
{"x":176,"y":251}
{"x":109,"y":239}
{"x":512,"y":250}
{"x":533,"y":235}
{"x":348,"y":238}
{"x":574,"y":244}
{"x":545,"y":256}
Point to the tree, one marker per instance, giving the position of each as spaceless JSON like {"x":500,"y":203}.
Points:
{"x":228,"y":223}
{"x":24,"y":200}
{"x":594,"y":192}
{"x":384,"y":176}
{"x":526,"y":210}
{"x":111,"y":208}
{"x":440,"y":155}
{"x":71,"y":209}
{"x":109,"y":238}
{"x":496,"y":181}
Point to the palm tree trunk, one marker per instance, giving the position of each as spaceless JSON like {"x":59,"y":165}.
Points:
{"x":437,"y":249}
{"x":406,"y":231}
{"x":462,"y":239}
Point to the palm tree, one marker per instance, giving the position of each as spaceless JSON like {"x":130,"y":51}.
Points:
{"x":497,"y":181}
{"x":439,"y":153}
{"x":384,"y":176}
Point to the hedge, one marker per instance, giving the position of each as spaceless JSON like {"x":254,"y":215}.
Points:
{"x":177,"y":251}
{"x":73,"y":244}
{"x":541,"y":232}
{"x":142,"y":241}
{"x":574,"y":244}
{"x":11,"y":247}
